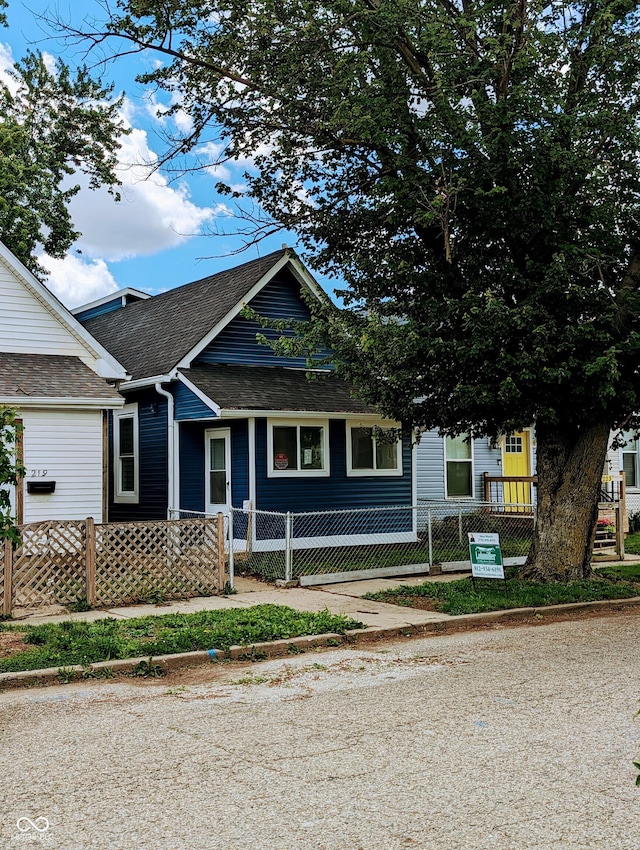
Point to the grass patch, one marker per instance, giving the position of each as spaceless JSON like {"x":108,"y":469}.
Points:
{"x":632,"y":544}
{"x":71,"y":642}
{"x":621,"y":572}
{"x":459,"y":597}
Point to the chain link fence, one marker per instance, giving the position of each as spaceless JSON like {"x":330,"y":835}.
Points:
{"x":326,"y":546}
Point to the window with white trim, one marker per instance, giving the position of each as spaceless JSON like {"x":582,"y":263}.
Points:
{"x":630,"y":459}
{"x":126,"y":454}
{"x":458,"y":453}
{"x":373,"y":451}
{"x":298,"y":449}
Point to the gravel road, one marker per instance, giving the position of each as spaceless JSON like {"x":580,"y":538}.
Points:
{"x":507,"y":738}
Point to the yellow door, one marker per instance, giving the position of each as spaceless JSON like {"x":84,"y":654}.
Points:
{"x":516,"y":464}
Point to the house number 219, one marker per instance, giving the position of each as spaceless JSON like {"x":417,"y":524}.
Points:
{"x":38,"y":473}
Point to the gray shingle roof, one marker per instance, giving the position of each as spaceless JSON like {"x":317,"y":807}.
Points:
{"x":50,"y":376}
{"x":273,"y":388}
{"x":151,"y":337}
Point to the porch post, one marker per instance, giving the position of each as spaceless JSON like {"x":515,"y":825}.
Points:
{"x":7,"y":602}
{"x":288,"y":554}
{"x":231,"y":562}
{"x":90,"y":561}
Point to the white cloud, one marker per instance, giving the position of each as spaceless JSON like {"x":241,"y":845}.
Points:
{"x":6,"y":65}
{"x":152,"y":215}
{"x":76,"y":281}
{"x":49,"y":62}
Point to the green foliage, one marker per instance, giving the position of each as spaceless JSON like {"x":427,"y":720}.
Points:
{"x":80,"y":605}
{"x":75,"y":642}
{"x":147,"y":669}
{"x":632,"y":543}
{"x":10,"y":470}
{"x":54,"y":127}
{"x":470,"y":170}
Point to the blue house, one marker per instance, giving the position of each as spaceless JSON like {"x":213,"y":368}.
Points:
{"x":212,"y":419}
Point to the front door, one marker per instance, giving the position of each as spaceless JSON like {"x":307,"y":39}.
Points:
{"x":516,"y":463}
{"x":218,"y":470}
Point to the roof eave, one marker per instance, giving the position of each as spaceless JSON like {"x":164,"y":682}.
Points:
{"x":64,"y":401}
{"x":232,"y":413}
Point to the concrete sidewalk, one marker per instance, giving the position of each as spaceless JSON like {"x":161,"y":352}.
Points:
{"x":380,"y":621}
{"x":336,"y":598}
{"x":344,"y":598}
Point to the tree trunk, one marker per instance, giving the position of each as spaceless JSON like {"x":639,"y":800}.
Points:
{"x":569,"y":466}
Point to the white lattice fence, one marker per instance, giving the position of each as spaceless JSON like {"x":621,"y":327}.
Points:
{"x":172,"y":559}
{"x":49,"y":565}
{"x":113,"y":564}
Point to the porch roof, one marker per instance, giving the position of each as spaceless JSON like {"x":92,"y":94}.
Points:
{"x":51,"y":376}
{"x":234,"y":387}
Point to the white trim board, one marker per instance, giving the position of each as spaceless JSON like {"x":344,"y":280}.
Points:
{"x":106,"y":299}
{"x":358,"y":575}
{"x":27,"y":402}
{"x":338,"y":540}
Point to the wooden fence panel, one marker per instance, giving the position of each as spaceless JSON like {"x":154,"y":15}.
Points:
{"x":7,"y":578}
{"x":49,"y":564}
{"x":153,"y":561}
{"x":112,"y":564}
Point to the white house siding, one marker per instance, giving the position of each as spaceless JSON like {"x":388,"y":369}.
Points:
{"x":614,"y":465}
{"x":28,"y":327}
{"x":68,"y":445}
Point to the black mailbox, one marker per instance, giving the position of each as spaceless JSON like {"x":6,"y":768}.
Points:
{"x":41,"y":488}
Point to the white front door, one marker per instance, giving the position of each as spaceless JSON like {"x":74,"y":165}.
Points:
{"x":218,"y":470}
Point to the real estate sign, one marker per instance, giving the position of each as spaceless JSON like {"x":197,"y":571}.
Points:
{"x":486,"y":555}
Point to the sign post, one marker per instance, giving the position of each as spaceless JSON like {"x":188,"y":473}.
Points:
{"x":486,"y":557}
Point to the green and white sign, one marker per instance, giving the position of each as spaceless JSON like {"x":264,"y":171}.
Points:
{"x":486,"y":555}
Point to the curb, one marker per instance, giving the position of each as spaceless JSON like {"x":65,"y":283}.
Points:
{"x":147,"y":667}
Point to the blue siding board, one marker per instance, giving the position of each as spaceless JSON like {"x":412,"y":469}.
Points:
{"x":192,"y":466}
{"x":335,"y":492}
{"x":153,"y":461}
{"x":280,"y":299}
{"x":188,"y":405}
{"x":192,"y":463}
{"x":92,"y":312}
{"x":239,"y":462}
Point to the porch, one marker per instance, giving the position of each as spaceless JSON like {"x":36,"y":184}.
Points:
{"x":510,"y":493}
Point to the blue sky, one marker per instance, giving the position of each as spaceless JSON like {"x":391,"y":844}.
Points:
{"x":154,"y":239}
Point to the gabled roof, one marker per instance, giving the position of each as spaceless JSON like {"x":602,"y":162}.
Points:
{"x":121,"y":294}
{"x":29,"y":378}
{"x":152,"y":337}
{"x":274,"y":388}
{"x":105,"y":363}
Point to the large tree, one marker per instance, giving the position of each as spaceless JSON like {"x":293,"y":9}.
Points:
{"x":54,"y":125}
{"x":471,"y":169}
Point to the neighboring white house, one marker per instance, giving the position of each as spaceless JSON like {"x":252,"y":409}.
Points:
{"x":62,"y":382}
{"x":626,"y":458}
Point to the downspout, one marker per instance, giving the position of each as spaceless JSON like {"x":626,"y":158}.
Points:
{"x":172,"y":506}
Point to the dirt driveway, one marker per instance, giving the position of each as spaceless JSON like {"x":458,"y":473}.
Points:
{"x":515,"y":738}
